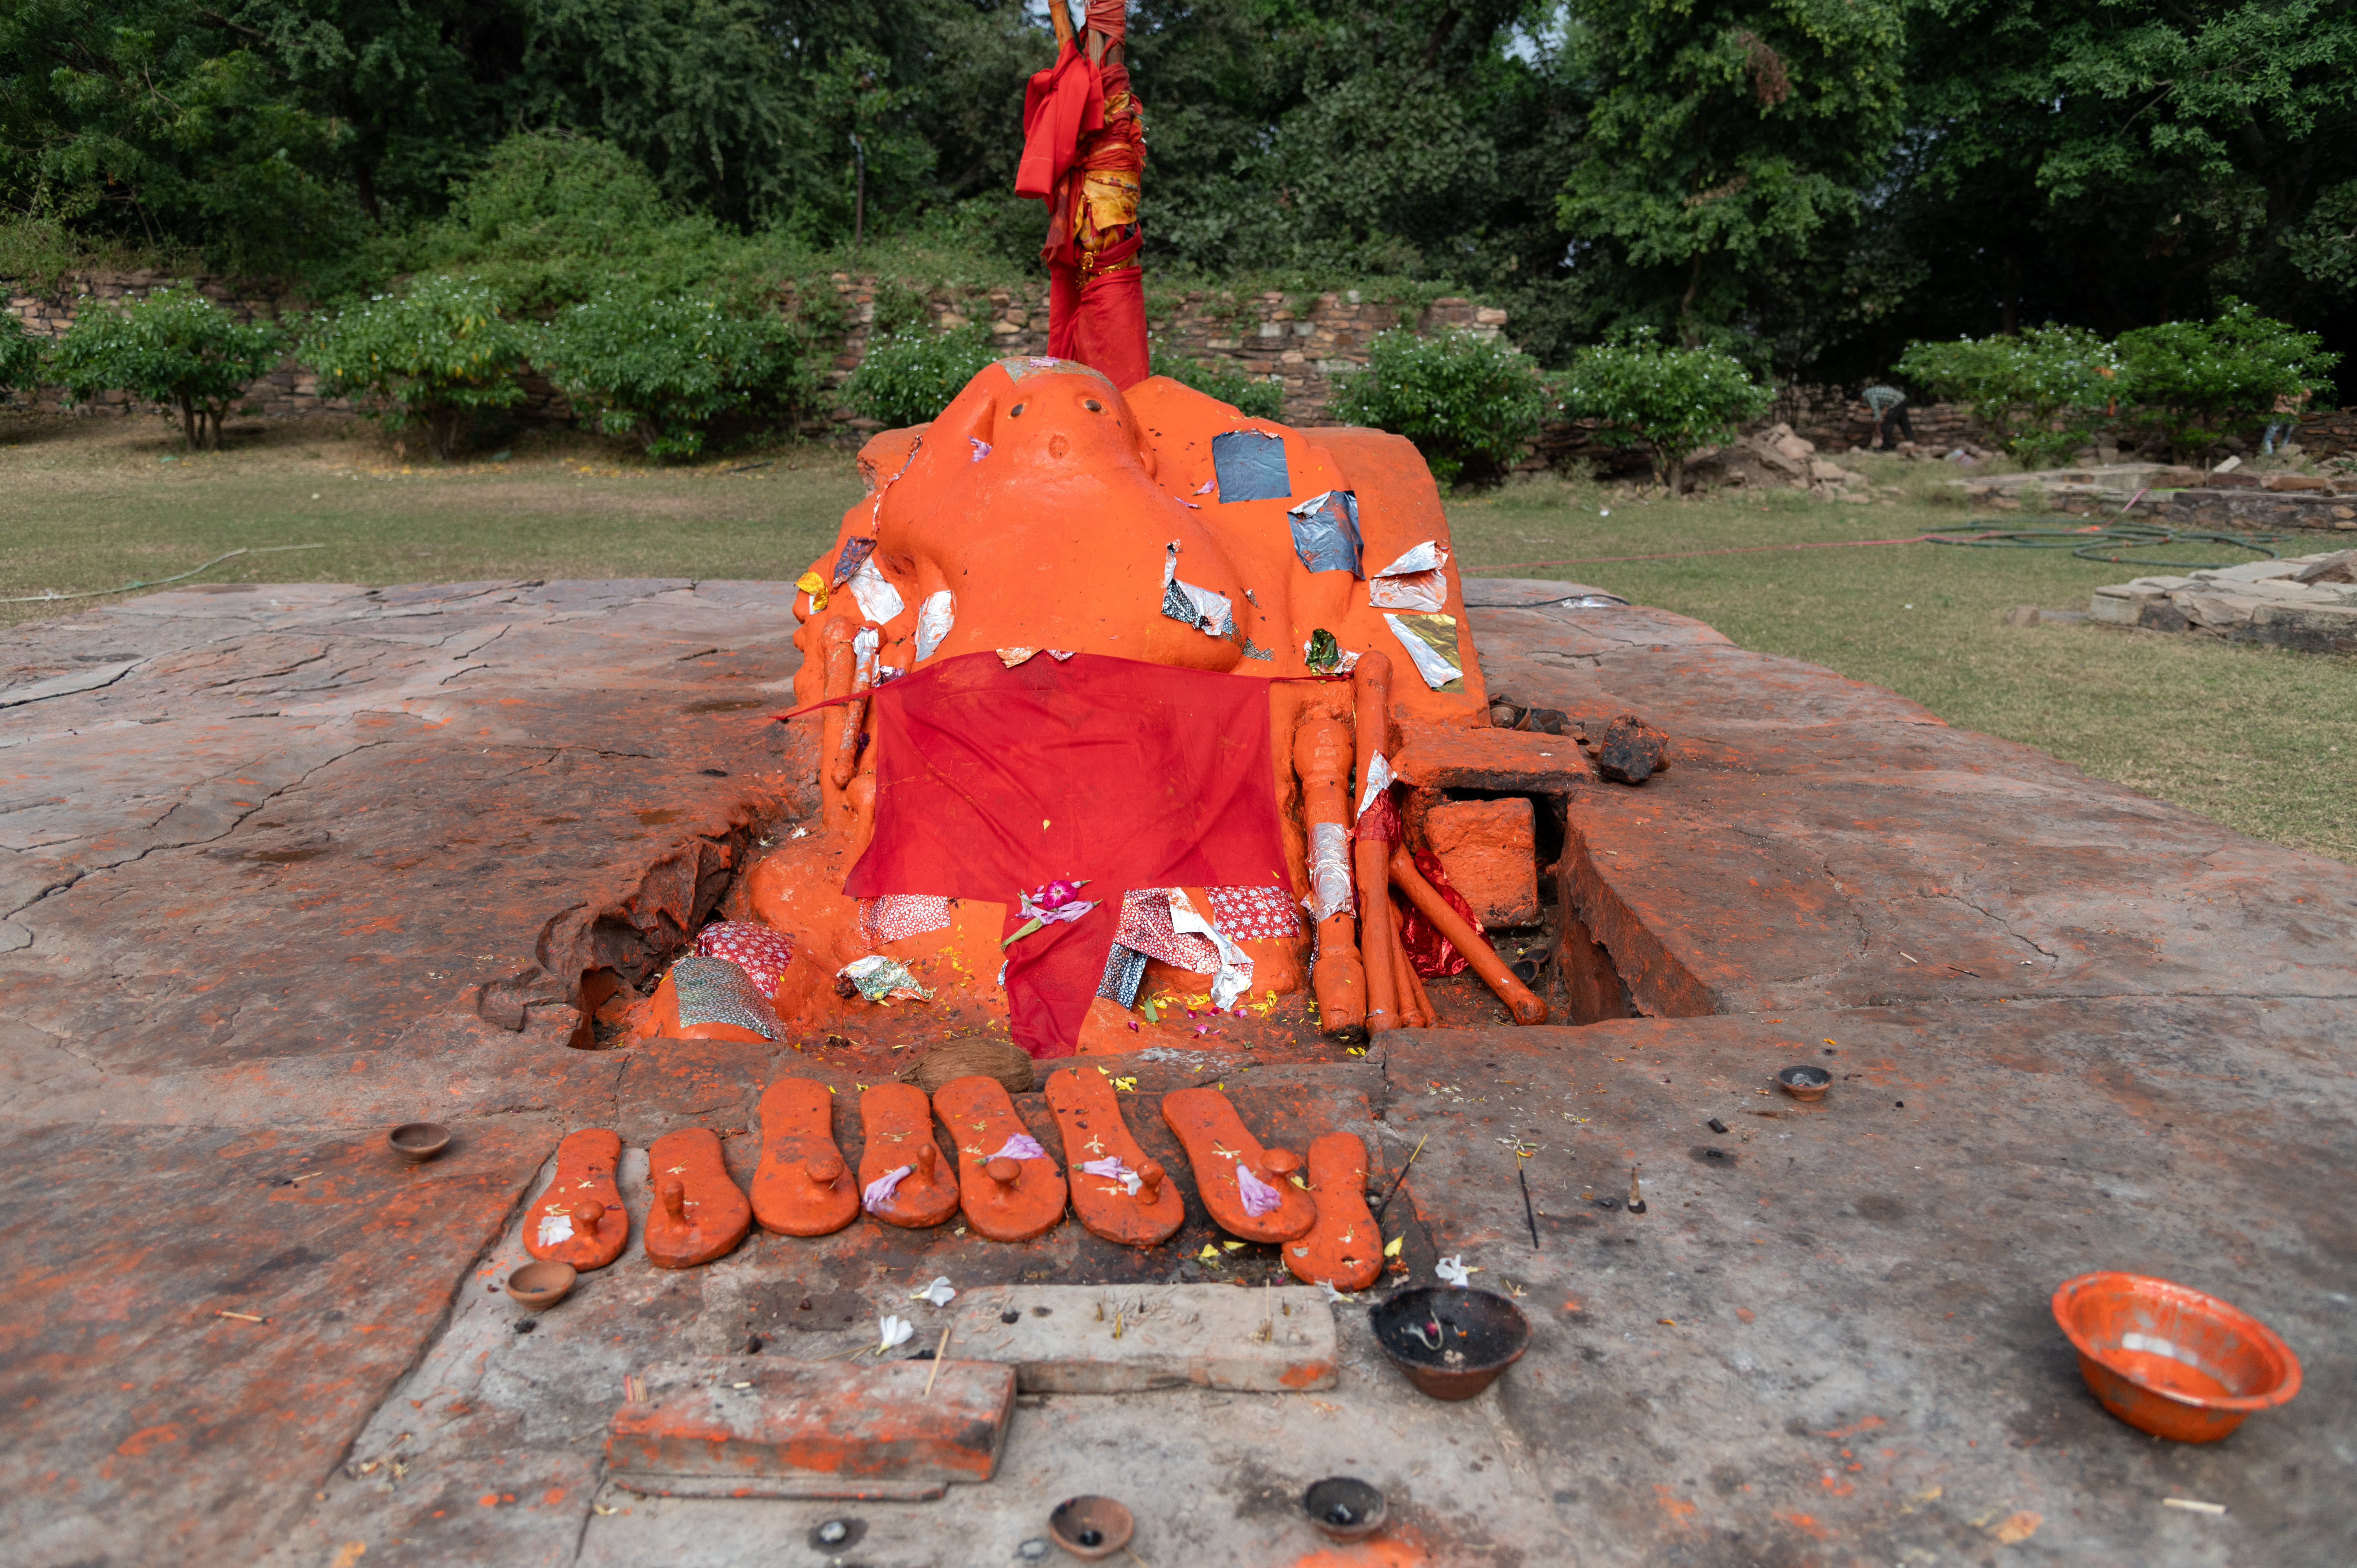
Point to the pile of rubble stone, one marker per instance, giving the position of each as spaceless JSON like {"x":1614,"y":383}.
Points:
{"x":1775,"y":459}
{"x":2308,"y":603}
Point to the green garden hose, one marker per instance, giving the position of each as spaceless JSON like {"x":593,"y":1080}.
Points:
{"x":2101,"y":541}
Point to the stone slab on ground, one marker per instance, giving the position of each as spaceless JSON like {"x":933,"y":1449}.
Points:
{"x":2119,"y":1032}
{"x":755,"y":1426}
{"x":2260,"y":601}
{"x":1099,"y":1339}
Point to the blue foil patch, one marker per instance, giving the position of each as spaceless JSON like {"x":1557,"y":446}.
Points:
{"x":1250,"y":466}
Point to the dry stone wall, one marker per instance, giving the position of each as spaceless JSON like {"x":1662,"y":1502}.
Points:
{"x":1303,"y":343}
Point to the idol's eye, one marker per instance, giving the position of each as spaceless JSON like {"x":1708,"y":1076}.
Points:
{"x":1093,"y":405}
{"x":1015,"y":413}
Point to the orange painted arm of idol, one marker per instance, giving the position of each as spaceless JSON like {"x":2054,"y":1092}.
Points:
{"x":1525,"y":1007}
{"x":1321,"y":760}
{"x":1370,"y":689}
{"x":841,"y":662}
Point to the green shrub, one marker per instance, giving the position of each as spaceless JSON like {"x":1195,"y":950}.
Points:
{"x":1470,"y":403}
{"x":172,"y":346}
{"x":1671,"y":402}
{"x":20,"y":355}
{"x":2199,"y":381}
{"x":1256,"y":397}
{"x":2041,"y":394}
{"x":661,"y":370}
{"x":909,"y":377}
{"x":431,"y":357}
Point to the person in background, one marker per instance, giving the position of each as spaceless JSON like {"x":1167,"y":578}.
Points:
{"x":1888,"y":406}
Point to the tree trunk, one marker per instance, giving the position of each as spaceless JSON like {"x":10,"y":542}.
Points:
{"x":212,"y":417}
{"x":1677,"y":475}
{"x":191,"y":431}
{"x":442,"y":433}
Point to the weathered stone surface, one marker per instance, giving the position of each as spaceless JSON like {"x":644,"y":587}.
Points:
{"x":1093,"y":1340}
{"x":759,"y":1426}
{"x":1490,"y":849}
{"x":2305,"y":603}
{"x":2119,"y":1032}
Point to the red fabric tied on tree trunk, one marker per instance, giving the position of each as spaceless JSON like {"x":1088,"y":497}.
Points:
{"x":1061,"y":104}
{"x":1100,"y":321}
{"x":991,"y":781}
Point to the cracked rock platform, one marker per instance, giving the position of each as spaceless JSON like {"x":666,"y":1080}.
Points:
{"x":289,"y":865}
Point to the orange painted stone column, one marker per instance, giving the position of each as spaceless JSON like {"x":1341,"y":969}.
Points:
{"x":1321,"y":760}
{"x":1370,"y":688}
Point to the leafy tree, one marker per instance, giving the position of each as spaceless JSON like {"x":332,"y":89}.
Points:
{"x":20,"y":354}
{"x":431,"y":357}
{"x":1672,"y":402}
{"x":1470,"y":403}
{"x":2040,"y":394}
{"x":1261,"y":398}
{"x":662,"y":371}
{"x":554,"y":218}
{"x":174,"y":347}
{"x":2199,"y":379}
{"x":1728,"y":138}
{"x":907,"y":377}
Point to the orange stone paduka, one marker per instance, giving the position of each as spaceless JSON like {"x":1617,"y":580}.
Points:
{"x":1005,"y":1199}
{"x":1213,"y":1135}
{"x":1345,"y":1248}
{"x":898,"y":1121}
{"x":580,"y":1218}
{"x":698,"y":1213}
{"x":1088,"y":1114}
{"x":803,"y":1186}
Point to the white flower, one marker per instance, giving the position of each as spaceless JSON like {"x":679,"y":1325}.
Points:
{"x":1453,"y":1271}
{"x":941,"y":1293}
{"x":895,"y":1331}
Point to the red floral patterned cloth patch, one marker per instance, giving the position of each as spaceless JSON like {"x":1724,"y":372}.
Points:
{"x":898,"y":915}
{"x":760,"y":953}
{"x":1254,"y":914}
{"x":1145,"y":926}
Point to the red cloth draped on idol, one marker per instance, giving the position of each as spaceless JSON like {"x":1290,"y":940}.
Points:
{"x":1119,"y":700}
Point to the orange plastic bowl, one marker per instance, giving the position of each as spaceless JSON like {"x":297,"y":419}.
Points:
{"x":2169,"y":1359}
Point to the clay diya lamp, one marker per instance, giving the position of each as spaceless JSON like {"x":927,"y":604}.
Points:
{"x":1089,"y":1116}
{"x":1090,"y":1528}
{"x":803,"y":1186}
{"x":1451,"y":1341}
{"x":1804,"y":1083}
{"x":1344,"y":1507}
{"x":2172,"y":1360}
{"x":698,"y":1213}
{"x":419,"y":1142}
{"x":543,"y":1285}
{"x":1008,"y":1192}
{"x":896,"y":1120}
{"x":1227,"y":1161}
{"x":580,"y":1219}
{"x":1345,"y":1248}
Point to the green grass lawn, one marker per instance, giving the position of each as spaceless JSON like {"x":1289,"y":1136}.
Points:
{"x":2262,"y":741}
